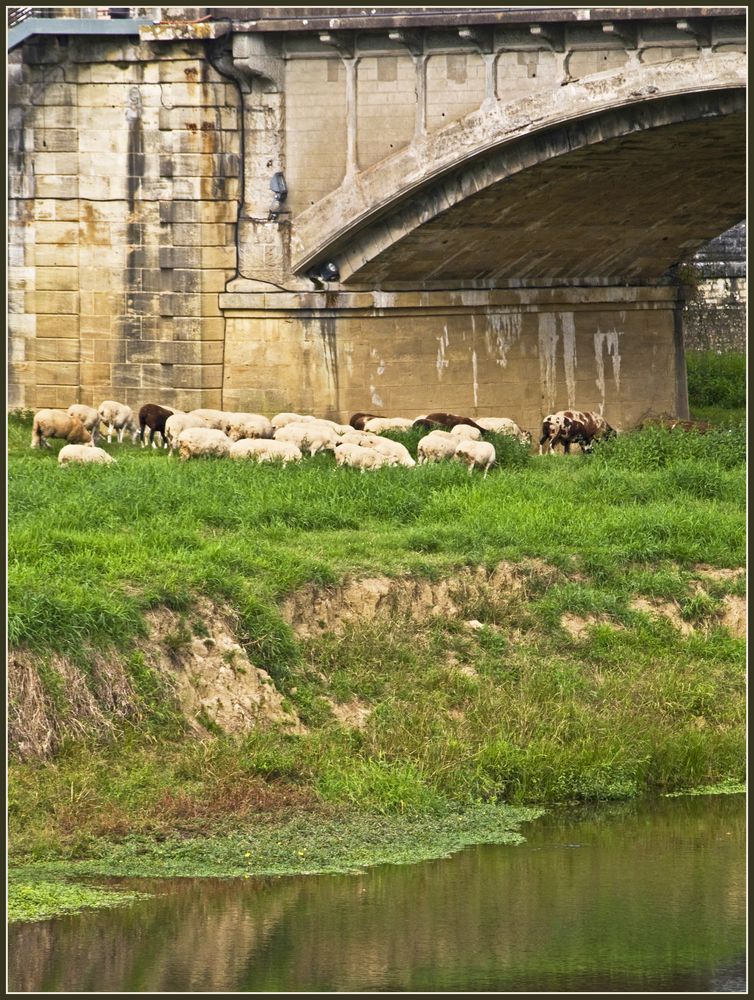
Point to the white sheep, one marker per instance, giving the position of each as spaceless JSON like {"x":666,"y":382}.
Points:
{"x":361,"y":458}
{"x":178,"y":422}
{"x":265,"y":450}
{"x":312,"y":436}
{"x":393,"y":449}
{"x":436,"y":446}
{"x":378,"y":425}
{"x":247,"y":425}
{"x":340,"y":429}
{"x":504,"y":425}
{"x":216,"y":419}
{"x":201,"y":442}
{"x":358,"y":437}
{"x":476,"y":453}
{"x":283,"y":419}
{"x":118,"y":417}
{"x":88,"y":416}
{"x":57,"y":424}
{"x":84,"y":453}
{"x":466,"y":432}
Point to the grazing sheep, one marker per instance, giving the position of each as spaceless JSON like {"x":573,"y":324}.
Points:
{"x":357,"y":420}
{"x":466,"y":432}
{"x":118,"y":417}
{"x":444,"y":420}
{"x":436,"y":447}
{"x":476,"y":453}
{"x":573,"y":426}
{"x":153,"y":417}
{"x":88,"y":416}
{"x":216,"y":419}
{"x":332,"y":425}
{"x":361,"y":458}
{"x":57,"y":424}
{"x":265,"y":450}
{"x":312,"y":436}
{"x":178,"y":422}
{"x":283,"y":419}
{"x":392,"y":449}
{"x":239,"y":426}
{"x":378,"y":425}
{"x":84,"y":453}
{"x":201,"y":442}
{"x":504,"y":425}
{"x":357,"y":437}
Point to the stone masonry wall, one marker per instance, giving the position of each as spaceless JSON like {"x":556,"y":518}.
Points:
{"x":518,"y":354}
{"x":715,"y":316}
{"x":123,"y":175}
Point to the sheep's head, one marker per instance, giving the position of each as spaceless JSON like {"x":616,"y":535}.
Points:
{"x":78,"y":434}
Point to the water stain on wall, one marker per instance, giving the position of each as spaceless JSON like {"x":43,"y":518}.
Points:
{"x":609,"y":341}
{"x":568,"y":328}
{"x":548,"y":345}
{"x":503,"y":331}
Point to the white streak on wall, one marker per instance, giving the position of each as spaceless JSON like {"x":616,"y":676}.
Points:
{"x":383,"y":300}
{"x":610,"y":340}
{"x":548,"y":343}
{"x":568,"y":327}
{"x":381,"y":367}
{"x":442,"y":341}
{"x":474,"y":377}
{"x":503,"y":330}
{"x":376,"y":399}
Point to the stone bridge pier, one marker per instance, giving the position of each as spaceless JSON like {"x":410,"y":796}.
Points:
{"x":482,"y":210}
{"x":483,"y":216}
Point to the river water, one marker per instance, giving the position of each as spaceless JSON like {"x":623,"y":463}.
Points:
{"x":627,"y":897}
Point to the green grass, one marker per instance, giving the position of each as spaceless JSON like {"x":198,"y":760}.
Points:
{"x":33,"y":898}
{"x":716,"y":380}
{"x":517,"y":711}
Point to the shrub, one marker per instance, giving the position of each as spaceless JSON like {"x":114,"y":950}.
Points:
{"x":716,"y":379}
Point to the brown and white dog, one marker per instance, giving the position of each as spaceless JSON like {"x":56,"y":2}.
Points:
{"x":569,"y":427}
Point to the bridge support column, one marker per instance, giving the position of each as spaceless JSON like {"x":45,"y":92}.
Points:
{"x":518,"y":353}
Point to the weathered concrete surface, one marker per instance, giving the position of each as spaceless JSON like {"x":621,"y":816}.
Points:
{"x":517,"y":354}
{"x":123,"y":174}
{"x":146,"y":263}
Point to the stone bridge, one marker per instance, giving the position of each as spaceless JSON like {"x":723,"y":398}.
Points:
{"x":476,"y":209}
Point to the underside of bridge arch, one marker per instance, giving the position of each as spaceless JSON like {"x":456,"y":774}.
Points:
{"x":614,"y":198}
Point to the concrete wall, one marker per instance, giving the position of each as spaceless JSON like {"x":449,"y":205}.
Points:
{"x":123,"y":185}
{"x":517,"y":354}
{"x":125,"y":173}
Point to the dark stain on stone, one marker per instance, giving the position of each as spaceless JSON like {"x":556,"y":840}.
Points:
{"x":327,"y":327}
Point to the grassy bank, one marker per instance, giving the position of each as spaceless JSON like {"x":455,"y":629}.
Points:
{"x":573,"y":680}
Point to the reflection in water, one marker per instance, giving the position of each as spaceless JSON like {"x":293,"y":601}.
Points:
{"x":613,"y":899}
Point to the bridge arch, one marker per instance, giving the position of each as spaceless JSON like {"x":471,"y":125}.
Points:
{"x":392,"y":213}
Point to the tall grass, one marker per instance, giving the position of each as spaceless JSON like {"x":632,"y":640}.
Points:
{"x":534,"y":715}
{"x":716,"y":380}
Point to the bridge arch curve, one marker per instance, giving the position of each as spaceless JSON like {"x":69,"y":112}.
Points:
{"x":392,"y":213}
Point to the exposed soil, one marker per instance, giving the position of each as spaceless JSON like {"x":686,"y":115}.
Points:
{"x":212,"y":676}
{"x":315,"y":609}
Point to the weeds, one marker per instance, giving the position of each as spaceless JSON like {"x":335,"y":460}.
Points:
{"x":517,"y":710}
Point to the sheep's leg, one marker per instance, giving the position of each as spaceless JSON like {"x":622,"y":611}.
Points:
{"x":121,"y":431}
{"x":110,"y":430}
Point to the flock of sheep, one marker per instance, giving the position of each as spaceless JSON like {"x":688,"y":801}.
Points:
{"x":286,"y":437}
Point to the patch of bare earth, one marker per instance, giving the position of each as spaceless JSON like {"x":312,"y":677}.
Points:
{"x":719,"y":574}
{"x":353,"y":714}
{"x":666,"y":609}
{"x":211,"y":674}
{"x":313,"y":610}
{"x":734,"y":615}
{"x":578,"y":627}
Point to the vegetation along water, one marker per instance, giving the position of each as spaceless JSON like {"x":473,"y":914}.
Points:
{"x":440,"y":651}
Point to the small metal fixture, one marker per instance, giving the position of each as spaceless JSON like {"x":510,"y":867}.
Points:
{"x":280,"y":191}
